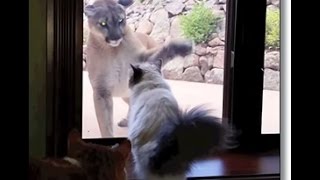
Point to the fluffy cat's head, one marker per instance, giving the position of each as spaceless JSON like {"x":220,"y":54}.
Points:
{"x":145,"y":72}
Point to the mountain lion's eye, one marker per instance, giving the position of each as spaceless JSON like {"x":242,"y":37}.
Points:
{"x":103,"y":23}
{"x":120,"y":20}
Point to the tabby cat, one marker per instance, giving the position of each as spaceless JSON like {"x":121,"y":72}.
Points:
{"x":85,"y":161}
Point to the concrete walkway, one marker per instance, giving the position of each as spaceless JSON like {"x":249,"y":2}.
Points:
{"x":188,"y":94}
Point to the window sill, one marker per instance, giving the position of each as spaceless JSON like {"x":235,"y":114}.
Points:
{"x":233,"y":166}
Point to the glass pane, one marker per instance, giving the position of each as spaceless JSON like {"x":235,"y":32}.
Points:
{"x":271,"y":93}
{"x":194,"y":80}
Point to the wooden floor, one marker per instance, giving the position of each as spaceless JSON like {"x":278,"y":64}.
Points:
{"x":232,"y":165}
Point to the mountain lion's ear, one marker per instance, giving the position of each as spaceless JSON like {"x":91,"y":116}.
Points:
{"x":89,"y":10}
{"x":125,"y":3}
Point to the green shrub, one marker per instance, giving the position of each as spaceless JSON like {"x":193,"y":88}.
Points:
{"x":273,"y":28}
{"x":199,"y":24}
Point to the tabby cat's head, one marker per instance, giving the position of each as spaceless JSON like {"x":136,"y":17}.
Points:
{"x":99,"y":162}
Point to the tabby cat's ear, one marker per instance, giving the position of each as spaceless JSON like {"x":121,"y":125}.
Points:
{"x":74,"y":142}
{"x":124,"y":148}
{"x":74,"y":134}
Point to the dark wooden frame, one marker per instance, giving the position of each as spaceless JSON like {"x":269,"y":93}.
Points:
{"x":64,"y":74}
{"x":244,"y":64}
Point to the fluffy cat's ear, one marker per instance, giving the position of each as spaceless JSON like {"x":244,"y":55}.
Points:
{"x":158,"y":64}
{"x":89,"y":10}
{"x":124,"y":148}
{"x":125,"y":3}
{"x":134,"y":68}
{"x":136,"y":76}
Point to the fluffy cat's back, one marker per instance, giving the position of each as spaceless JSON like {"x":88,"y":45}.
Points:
{"x":149,"y":113}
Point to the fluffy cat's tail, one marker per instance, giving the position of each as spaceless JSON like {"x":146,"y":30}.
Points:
{"x":196,"y":134}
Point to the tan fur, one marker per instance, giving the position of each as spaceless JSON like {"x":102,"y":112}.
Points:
{"x":146,"y":40}
{"x":108,"y":72}
{"x":111,"y":47}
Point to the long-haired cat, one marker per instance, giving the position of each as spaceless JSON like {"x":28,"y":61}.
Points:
{"x":85,"y":161}
{"x":166,"y":140}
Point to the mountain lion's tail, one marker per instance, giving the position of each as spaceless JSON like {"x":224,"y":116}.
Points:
{"x":169,"y":51}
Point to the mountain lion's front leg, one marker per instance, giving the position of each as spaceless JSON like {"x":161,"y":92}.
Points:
{"x":103,"y":104}
{"x":124,"y":121}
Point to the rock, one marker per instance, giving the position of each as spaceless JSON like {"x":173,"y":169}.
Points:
{"x":146,"y":16}
{"x":211,"y":51}
{"x":189,"y":4}
{"x":84,"y":52}
{"x":216,"y":42}
{"x":271,"y":79}
{"x":272,"y":7}
{"x":138,"y":9}
{"x":131,"y":21}
{"x":84,"y":66}
{"x":175,"y":7}
{"x":145,"y":27}
{"x":214,"y":51}
{"x":192,"y":60}
{"x":161,"y":25}
{"x":214,"y":76}
{"x":218,"y":59}
{"x":213,"y":35}
{"x":272,"y":60}
{"x":210,"y":3}
{"x":156,"y":2}
{"x":275,"y":2}
{"x":204,"y":66}
{"x":221,"y":28}
{"x":192,"y":74}
{"x":210,"y":61}
{"x":84,"y":57}
{"x":224,"y":8}
{"x":219,"y":13}
{"x":200,"y":50}
{"x":156,"y":14}
{"x":175,"y":30}
{"x":268,"y":2}
{"x":88,"y":2}
{"x":133,"y":27}
{"x":173,"y":69}
{"x":168,"y":39}
{"x":135,"y":16}
{"x":85,"y":31}
{"x":158,"y":7}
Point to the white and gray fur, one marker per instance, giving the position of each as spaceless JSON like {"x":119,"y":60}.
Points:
{"x":165,"y":139}
{"x":111,"y":47}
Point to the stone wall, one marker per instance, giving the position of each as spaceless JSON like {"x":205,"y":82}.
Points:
{"x":159,"y":19}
